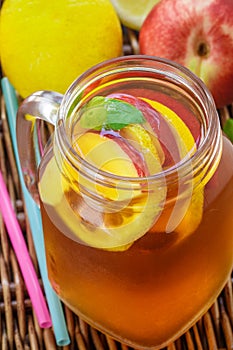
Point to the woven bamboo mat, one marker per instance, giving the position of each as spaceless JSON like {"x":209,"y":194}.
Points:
{"x":18,"y":325}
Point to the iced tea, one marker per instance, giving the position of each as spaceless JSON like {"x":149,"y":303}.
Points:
{"x":143,"y":283}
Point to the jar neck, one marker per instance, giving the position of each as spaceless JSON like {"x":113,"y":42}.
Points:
{"x":202,"y":164}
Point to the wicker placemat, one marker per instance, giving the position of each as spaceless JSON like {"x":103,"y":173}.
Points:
{"x":18,"y":326}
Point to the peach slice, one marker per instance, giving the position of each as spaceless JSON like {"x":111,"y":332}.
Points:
{"x":161,"y":130}
{"x":175,"y":104}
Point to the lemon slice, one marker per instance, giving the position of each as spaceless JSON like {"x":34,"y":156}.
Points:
{"x":193,"y":215}
{"x":106,"y":155}
{"x":114,"y":220}
{"x":188,"y":209}
{"x":133,"y":13}
{"x":145,"y":141}
{"x":183,"y":135}
{"x":71,"y":223}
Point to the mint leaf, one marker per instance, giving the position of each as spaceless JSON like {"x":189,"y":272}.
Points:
{"x":110,"y":114}
{"x":94,"y":114}
{"x":228,"y":128}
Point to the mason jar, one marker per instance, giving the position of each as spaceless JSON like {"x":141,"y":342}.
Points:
{"x":140,"y":256}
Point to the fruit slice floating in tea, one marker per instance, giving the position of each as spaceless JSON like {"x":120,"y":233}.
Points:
{"x":117,"y":212}
{"x":127,"y":207}
{"x":189,"y":208}
{"x":182,"y":215}
{"x":124,"y":139}
{"x":157,"y":127}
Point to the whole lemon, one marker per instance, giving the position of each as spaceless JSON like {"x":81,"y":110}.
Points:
{"x":46,"y":44}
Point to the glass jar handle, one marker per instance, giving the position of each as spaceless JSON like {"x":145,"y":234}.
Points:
{"x":42,"y":105}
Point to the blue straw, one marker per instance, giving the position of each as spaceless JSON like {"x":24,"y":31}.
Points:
{"x":54,"y":304}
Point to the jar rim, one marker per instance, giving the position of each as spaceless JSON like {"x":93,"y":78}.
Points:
{"x":210,"y":142}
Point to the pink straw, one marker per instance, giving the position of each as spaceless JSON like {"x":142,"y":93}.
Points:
{"x":24,"y":260}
